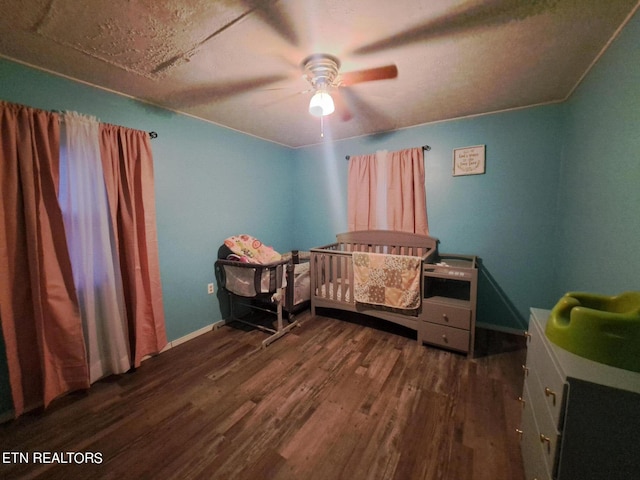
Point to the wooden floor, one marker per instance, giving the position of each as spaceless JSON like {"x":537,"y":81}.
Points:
{"x":341,"y":397}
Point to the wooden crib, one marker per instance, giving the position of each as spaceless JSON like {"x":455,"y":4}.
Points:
{"x":332,"y":273}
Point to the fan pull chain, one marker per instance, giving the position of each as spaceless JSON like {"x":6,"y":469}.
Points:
{"x":322,"y":126}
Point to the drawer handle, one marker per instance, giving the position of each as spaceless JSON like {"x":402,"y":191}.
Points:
{"x":446,"y":340}
{"x":444,"y":317}
{"x":519,"y":433}
{"x":522,"y":401}
{"x":525,"y":369}
{"x":550,"y":393}
{"x":547,"y":440}
{"x":527,"y":336}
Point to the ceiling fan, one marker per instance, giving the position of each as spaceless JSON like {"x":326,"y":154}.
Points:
{"x":322,"y":71}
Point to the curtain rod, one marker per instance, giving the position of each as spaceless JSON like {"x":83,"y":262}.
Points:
{"x":424,"y":147}
{"x":151,"y":134}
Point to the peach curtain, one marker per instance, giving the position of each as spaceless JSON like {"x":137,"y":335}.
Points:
{"x":406,"y":192}
{"x":361,"y":193}
{"x":41,"y":322}
{"x":128,"y":170}
{"x":405,"y":202}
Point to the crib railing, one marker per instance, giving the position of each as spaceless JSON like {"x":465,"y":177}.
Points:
{"x":332,"y":276}
{"x":332,"y":268}
{"x":416,"y":251}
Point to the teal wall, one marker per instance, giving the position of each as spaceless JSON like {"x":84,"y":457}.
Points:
{"x":210,"y":182}
{"x":599,"y":197}
{"x":556,"y":210}
{"x":507,"y":216}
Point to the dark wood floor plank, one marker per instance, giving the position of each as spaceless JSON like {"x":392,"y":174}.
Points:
{"x":343,"y":396}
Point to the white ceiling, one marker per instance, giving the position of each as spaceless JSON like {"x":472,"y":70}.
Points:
{"x":237,"y":63}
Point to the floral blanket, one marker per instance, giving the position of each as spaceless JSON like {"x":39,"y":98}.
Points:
{"x":389,"y":280}
{"x":251,"y":250}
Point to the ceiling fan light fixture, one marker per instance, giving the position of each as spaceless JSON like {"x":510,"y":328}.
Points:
{"x":321,"y":104}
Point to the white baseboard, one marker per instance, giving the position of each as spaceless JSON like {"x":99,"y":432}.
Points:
{"x":187,"y":337}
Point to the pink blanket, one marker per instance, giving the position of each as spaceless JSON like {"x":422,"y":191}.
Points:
{"x":251,"y":250}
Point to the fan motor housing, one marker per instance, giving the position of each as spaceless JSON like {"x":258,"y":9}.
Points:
{"x":321,"y":69}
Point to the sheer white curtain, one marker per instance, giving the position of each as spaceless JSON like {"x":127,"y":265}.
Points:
{"x":96,"y":272}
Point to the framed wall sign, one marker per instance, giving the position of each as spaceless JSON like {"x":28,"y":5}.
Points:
{"x":468,"y":160}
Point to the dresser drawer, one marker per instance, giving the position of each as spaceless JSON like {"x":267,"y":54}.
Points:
{"x":548,"y":434}
{"x":448,"y":337}
{"x":550,"y":379}
{"x":536,"y":466}
{"x":449,"y":315}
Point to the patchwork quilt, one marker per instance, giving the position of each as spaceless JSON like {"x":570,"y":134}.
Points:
{"x":389,"y":280}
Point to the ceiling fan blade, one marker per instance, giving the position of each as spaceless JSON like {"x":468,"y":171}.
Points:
{"x":342,"y":109}
{"x":221,"y":90}
{"x":265,"y":10}
{"x":282,"y":98}
{"x":369,"y":75}
{"x":464,"y":18}
{"x":271,"y":13}
{"x":373,"y":118}
{"x":184,"y":56}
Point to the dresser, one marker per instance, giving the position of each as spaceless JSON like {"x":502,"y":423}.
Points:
{"x":580,"y":419}
{"x":449,"y":304}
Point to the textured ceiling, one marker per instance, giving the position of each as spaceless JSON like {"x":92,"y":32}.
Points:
{"x":238,"y":63}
